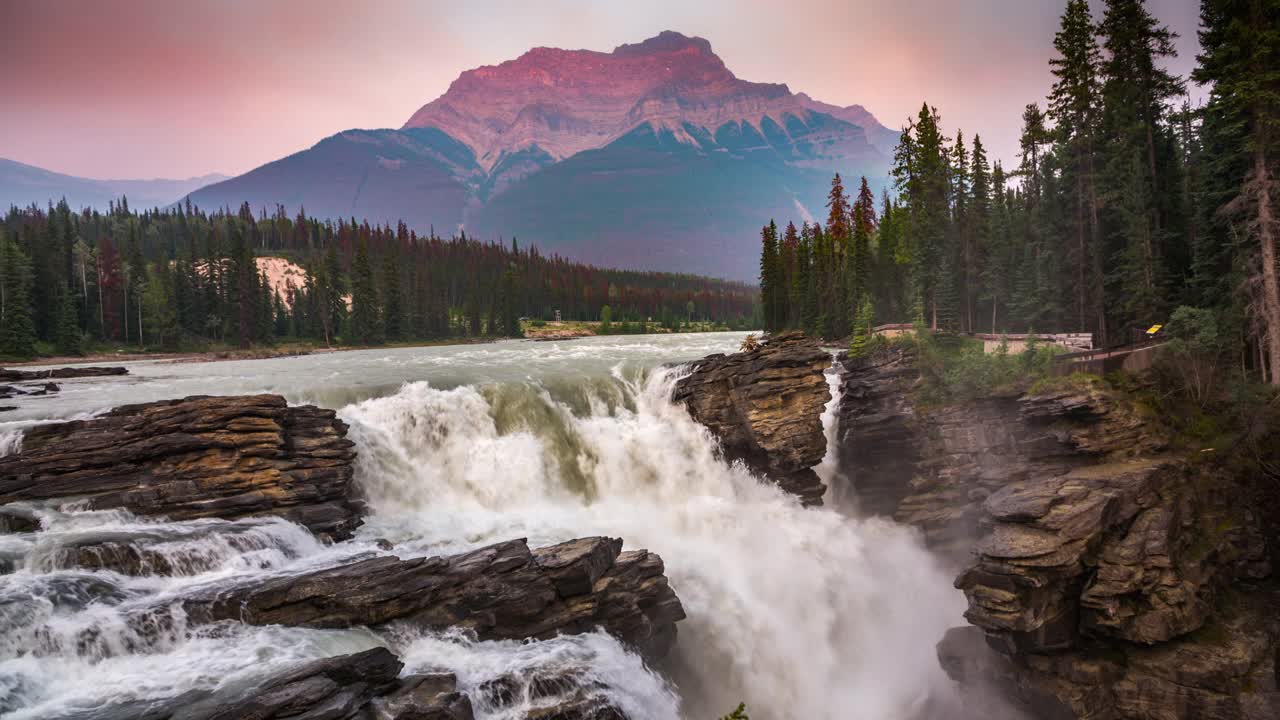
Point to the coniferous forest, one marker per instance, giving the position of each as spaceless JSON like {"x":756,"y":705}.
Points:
{"x":183,"y":278}
{"x":1127,"y":203}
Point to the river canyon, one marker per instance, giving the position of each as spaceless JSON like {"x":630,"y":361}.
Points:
{"x":791,"y":528}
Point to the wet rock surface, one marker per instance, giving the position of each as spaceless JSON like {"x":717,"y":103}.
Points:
{"x":360,"y":686}
{"x":9,"y":375}
{"x":503,"y":591}
{"x":765,"y":406}
{"x":199,"y":457}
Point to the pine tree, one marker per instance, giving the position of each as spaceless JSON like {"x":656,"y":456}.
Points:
{"x":860,"y":343}
{"x":864,"y":227}
{"x":334,"y":300}
{"x":1241,"y":57}
{"x":1074,"y":108}
{"x":393,"y":302}
{"x":769,"y":280}
{"x":1137,"y":163}
{"x":159,"y":310}
{"x":792,"y":270}
{"x":17,"y":330}
{"x":808,"y":281}
{"x":68,"y":338}
{"x":961,"y":252}
{"x":365,"y":319}
{"x":921,"y":172}
{"x":509,"y":314}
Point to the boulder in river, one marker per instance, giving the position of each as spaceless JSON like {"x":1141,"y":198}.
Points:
{"x":765,"y":405}
{"x":9,"y":375}
{"x":500,"y":592}
{"x":199,"y":457}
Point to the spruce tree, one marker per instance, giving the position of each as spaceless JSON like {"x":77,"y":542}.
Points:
{"x":68,"y":338}
{"x":392,"y":298}
{"x":1074,"y":107}
{"x":769,"y":280}
{"x":365,"y":319}
{"x":1138,"y":167}
{"x":17,"y":329}
{"x":1241,"y":58}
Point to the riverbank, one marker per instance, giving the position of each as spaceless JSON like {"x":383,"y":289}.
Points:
{"x":545,"y":332}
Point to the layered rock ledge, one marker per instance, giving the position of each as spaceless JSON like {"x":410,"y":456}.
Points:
{"x":198,"y":457}
{"x":500,"y":592}
{"x":765,"y":406}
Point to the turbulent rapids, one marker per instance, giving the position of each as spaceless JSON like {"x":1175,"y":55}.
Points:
{"x":802,"y":613}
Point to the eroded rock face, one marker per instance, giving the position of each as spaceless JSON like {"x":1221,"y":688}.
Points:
{"x":1107,"y":577}
{"x":934,"y":466}
{"x":503,"y":591}
{"x":766,"y":407}
{"x":199,"y":457}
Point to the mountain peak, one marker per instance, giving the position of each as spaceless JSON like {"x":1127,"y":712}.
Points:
{"x":665,"y":42}
{"x":557,"y":103}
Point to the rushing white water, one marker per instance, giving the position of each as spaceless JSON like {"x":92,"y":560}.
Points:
{"x":802,"y":613}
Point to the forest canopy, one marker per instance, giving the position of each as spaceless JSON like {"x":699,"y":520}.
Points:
{"x":182,"y":277}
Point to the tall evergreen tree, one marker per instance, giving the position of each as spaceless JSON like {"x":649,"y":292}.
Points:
{"x":1138,"y":164}
{"x":17,"y":329}
{"x":1241,"y":58}
{"x":1074,"y":108}
{"x":770,"y":280}
{"x":365,"y":320}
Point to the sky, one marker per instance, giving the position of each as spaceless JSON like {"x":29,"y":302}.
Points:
{"x":151,"y":88}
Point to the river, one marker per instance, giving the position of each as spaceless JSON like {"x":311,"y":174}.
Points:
{"x":801,"y":613}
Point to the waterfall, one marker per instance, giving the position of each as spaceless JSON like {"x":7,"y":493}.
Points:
{"x":800,"y":613}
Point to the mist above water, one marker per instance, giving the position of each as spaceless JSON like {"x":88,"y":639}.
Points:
{"x":800,"y":613}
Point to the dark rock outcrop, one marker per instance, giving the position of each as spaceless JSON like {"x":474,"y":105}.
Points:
{"x":199,"y":457}
{"x":30,"y":390}
{"x":8,"y":375}
{"x":361,"y":686}
{"x":765,"y":406}
{"x":503,"y":591}
{"x":567,"y":695}
{"x":1109,"y":578}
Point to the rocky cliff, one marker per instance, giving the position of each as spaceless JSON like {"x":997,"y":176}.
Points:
{"x":1108,"y":576}
{"x":765,"y":406}
{"x":199,"y":457}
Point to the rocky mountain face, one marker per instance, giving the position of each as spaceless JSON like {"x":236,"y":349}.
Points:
{"x":1108,"y":577}
{"x":654,"y":156}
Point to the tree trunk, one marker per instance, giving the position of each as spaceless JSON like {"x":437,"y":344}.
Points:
{"x":1081,"y":258}
{"x":1267,"y":241}
{"x":1095,"y":250}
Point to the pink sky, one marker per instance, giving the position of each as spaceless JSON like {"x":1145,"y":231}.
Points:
{"x":143,"y":88}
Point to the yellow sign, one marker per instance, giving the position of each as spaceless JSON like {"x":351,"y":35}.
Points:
{"x":1154,"y":329}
